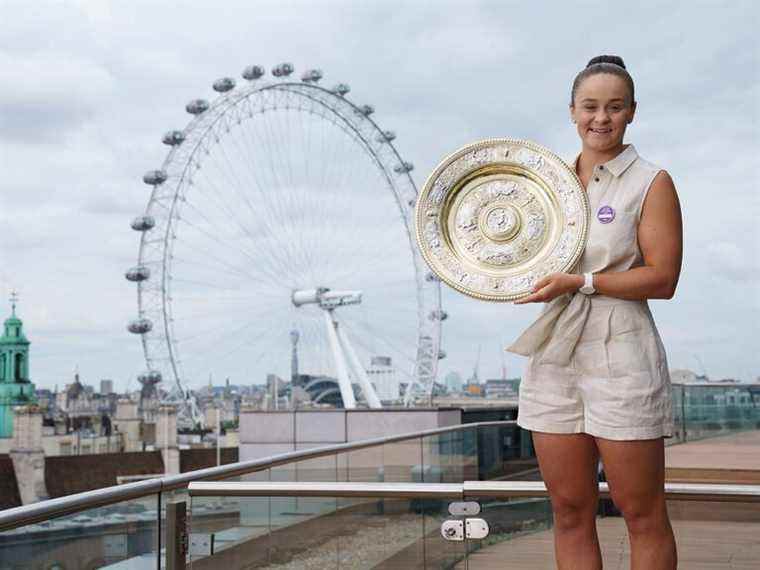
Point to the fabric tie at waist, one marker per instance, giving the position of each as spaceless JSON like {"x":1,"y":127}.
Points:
{"x":559,"y":328}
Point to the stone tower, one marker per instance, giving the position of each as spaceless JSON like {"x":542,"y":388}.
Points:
{"x":15,"y":387}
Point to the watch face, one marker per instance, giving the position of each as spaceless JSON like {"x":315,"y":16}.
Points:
{"x":498,"y":215}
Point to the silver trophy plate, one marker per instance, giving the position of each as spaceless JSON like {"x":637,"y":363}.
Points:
{"x":498,"y":215}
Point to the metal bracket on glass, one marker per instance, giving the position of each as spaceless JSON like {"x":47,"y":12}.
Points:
{"x":476,"y":529}
{"x":464,"y":508}
{"x":453,"y":530}
{"x":458,"y":530}
{"x":201,"y":544}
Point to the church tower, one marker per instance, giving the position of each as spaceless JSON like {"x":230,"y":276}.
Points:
{"x":15,"y":387}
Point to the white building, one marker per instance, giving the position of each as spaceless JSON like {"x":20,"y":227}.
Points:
{"x":384,"y":378}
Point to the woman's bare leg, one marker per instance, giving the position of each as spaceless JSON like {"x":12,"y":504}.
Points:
{"x":568,"y":464}
{"x":635,"y":472}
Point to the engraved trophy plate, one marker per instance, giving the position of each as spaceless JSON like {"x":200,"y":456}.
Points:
{"x":500,"y":214}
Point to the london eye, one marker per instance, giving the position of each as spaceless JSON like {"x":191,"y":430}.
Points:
{"x":283,"y":213}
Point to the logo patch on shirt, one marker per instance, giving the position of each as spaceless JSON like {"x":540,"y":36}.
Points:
{"x":605,"y":214}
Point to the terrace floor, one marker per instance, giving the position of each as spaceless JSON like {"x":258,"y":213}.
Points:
{"x":702,"y":545}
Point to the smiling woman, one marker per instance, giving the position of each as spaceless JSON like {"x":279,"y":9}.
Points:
{"x":597,"y":383}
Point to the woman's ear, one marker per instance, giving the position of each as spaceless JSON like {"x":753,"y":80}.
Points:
{"x":633,"y":112}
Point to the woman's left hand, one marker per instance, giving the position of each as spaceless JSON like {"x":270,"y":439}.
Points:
{"x":552,"y":286}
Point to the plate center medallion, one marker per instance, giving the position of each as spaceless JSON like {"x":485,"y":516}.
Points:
{"x":499,"y":222}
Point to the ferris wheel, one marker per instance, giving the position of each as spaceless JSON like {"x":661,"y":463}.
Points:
{"x":278,"y":240}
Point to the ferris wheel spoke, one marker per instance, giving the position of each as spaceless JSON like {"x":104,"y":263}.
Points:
{"x":216,"y":262}
{"x":401,"y":360}
{"x":271,"y":211}
{"x":224,"y":244}
{"x":269,"y":271}
{"x":288,"y":236}
{"x":293,"y":207}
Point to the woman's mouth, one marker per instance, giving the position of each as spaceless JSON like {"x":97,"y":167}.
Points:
{"x":601,"y":131}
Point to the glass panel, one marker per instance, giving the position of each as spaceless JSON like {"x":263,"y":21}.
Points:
{"x":356,"y":534}
{"x":123,"y":535}
{"x":363,"y":465}
{"x":447,"y":458}
{"x":716,"y":410}
{"x":402,"y":462}
{"x":380,"y":534}
{"x":236,"y":531}
{"x":510,"y":522}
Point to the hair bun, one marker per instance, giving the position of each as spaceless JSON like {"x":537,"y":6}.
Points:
{"x":613,"y":59}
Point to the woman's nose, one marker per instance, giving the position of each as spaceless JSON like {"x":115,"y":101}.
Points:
{"x":602,"y":116}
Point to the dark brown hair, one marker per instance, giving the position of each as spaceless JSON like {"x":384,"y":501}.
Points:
{"x":611,"y":64}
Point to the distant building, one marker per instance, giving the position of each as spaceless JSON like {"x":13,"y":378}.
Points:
{"x":685,"y":376}
{"x":383,"y":376}
{"x":453,"y":382}
{"x":106,"y":386}
{"x":501,"y":388}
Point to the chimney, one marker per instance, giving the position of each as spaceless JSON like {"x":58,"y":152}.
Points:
{"x":166,"y":438}
{"x":27,"y":454}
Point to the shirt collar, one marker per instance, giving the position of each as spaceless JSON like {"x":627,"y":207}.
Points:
{"x":619,"y":164}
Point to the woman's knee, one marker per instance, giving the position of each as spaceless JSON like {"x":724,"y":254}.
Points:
{"x":573,"y":512}
{"x":643,"y":515}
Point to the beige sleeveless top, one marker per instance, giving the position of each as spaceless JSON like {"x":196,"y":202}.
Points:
{"x":616,"y":193}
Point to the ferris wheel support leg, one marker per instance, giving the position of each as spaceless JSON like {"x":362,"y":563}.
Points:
{"x":346,"y":391}
{"x":359,"y":371}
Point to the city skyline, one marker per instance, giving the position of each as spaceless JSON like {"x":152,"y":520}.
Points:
{"x":116,"y":76}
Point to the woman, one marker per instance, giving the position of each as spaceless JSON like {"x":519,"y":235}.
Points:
{"x":597,"y":383}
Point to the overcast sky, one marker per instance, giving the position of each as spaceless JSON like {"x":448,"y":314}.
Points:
{"x":89,"y":87}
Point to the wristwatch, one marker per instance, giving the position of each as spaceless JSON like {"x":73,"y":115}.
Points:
{"x":588,"y":284}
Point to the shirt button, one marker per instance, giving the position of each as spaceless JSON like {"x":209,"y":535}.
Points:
{"x":596,"y":178}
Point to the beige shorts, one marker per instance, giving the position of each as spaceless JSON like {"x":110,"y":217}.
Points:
{"x":616,"y":386}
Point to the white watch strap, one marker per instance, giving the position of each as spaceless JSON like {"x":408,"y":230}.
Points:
{"x":588,"y":284}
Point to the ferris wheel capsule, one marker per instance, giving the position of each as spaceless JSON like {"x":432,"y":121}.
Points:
{"x":140,"y":326}
{"x":282,"y":70}
{"x":386,"y":136}
{"x":224,"y":84}
{"x":431,"y":277}
{"x":253,"y":72}
{"x":138,"y":273}
{"x":366,"y":110}
{"x":150,"y":377}
{"x":341,"y":89}
{"x":403,"y":168}
{"x":311,"y":75}
{"x":197,"y":106}
{"x":173,"y":138}
{"x":438,"y":315}
{"x":155,"y":177}
{"x":143,"y":223}
{"x":441,"y":354}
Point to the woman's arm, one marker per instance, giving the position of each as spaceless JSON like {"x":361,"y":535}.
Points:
{"x":660,"y":235}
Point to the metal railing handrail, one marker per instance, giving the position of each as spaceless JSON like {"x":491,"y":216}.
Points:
{"x":62,"y":506}
{"x":713,"y":492}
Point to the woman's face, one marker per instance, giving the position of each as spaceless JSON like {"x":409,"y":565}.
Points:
{"x":602,"y":109}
